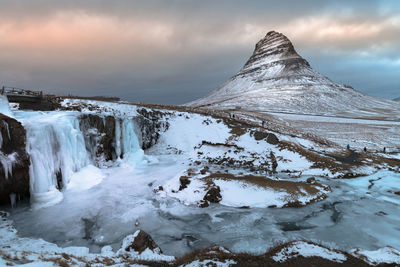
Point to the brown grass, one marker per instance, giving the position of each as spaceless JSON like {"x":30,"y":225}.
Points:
{"x":319,"y":161}
{"x":246,"y":259}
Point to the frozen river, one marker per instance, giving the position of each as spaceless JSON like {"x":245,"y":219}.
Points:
{"x":362,"y":213}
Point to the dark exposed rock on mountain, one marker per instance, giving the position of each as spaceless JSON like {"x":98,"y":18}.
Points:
{"x":14,"y":161}
{"x":277,"y":78}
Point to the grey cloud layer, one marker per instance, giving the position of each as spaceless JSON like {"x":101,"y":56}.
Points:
{"x":175,"y":51}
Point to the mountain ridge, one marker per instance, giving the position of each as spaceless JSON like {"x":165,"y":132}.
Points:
{"x":277,"y":78}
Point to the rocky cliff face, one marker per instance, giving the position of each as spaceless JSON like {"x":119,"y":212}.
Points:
{"x":276,"y":78}
{"x":14,"y":161}
{"x":151,"y":125}
{"x":99,"y":134}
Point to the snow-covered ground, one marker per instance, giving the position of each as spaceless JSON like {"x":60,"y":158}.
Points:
{"x":359,"y":133}
{"x":102,"y":205}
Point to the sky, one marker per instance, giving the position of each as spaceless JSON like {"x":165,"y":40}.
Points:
{"x":175,"y":51}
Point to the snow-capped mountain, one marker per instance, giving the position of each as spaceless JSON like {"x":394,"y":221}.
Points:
{"x":397,"y":99}
{"x":277,"y":78}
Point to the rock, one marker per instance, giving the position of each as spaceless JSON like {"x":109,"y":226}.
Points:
{"x":14,"y":157}
{"x":184,"y":180}
{"x":203,"y":203}
{"x":151,"y":124}
{"x":259,"y":135}
{"x":204,"y":170}
{"x":273,"y":161}
{"x":99,"y":134}
{"x":213,"y":195}
{"x":272,"y":139}
{"x":311,"y":180}
{"x":46,"y":103}
{"x":139,"y":242}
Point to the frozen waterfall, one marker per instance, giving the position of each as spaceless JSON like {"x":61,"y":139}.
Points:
{"x":6,"y":160}
{"x":127,"y":143}
{"x":5,"y":106}
{"x":57,"y":150}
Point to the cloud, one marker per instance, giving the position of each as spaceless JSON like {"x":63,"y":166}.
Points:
{"x":145,"y":49}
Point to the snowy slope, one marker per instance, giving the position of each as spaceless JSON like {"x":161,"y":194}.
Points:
{"x":276,"y":78}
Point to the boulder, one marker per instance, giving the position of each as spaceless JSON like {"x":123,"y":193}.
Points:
{"x":311,"y":180}
{"x":184,"y":180}
{"x":139,"y":242}
{"x":270,"y":137}
{"x":213,"y":195}
{"x":259,"y":135}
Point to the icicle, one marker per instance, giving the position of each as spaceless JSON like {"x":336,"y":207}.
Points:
{"x":7,"y":162}
{"x":118,"y":138}
{"x":7,"y":129}
{"x":131,"y":151}
{"x":13,"y":200}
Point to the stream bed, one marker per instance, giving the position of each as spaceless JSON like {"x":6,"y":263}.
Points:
{"x":105,"y":205}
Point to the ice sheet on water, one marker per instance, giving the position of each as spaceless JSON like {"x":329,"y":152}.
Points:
{"x":86,"y":178}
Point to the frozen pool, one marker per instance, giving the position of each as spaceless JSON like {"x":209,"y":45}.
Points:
{"x":362,"y":212}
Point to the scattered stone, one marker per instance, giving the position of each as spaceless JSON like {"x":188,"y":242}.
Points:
{"x":213,"y":195}
{"x":273,"y":161}
{"x":311,"y":180}
{"x":204,"y":170}
{"x":204,"y":203}
{"x":139,"y":242}
{"x":184,"y":180}
{"x":272,"y":139}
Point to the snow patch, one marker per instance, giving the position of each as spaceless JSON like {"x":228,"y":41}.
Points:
{"x":301,"y":248}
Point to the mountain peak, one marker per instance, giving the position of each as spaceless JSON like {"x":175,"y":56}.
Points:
{"x":273,"y":48}
{"x":277,"y":78}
